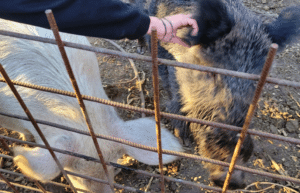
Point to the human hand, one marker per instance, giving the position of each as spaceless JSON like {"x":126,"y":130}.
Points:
{"x":167,"y":27}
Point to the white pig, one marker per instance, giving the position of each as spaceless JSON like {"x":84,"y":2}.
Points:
{"x":41,"y":64}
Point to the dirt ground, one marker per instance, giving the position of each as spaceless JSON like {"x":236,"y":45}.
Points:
{"x":278,"y":113}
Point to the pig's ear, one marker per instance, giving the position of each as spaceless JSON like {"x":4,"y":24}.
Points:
{"x":285,"y":27}
{"x":213,"y":21}
{"x":37,"y":162}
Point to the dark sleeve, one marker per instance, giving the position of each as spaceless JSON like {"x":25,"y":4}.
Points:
{"x":111,"y":19}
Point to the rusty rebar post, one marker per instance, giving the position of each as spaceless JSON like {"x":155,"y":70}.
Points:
{"x":37,"y":128}
{"x":4,"y":144}
{"x":148,"y":59}
{"x":156,"y":103}
{"x":250,"y":113}
{"x":105,"y":182}
{"x":179,"y":154}
{"x":25,"y":187}
{"x":60,"y":44}
{"x":253,"y":77}
{"x":9,"y":184}
{"x":39,"y":185}
{"x":50,"y":182}
{"x":147,"y":111}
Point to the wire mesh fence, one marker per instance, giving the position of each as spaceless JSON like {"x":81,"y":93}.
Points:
{"x":156,"y":61}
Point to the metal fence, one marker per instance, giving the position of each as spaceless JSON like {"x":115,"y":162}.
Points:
{"x":261,"y":81}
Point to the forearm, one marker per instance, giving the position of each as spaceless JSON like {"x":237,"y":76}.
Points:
{"x":99,"y":18}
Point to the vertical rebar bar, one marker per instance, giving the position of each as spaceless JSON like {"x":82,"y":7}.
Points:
{"x":154,"y":51}
{"x":37,"y":128}
{"x":60,"y":44}
{"x":7,"y":148}
{"x":4,"y":144}
{"x":250,"y":113}
{"x":39,"y":185}
{"x":9,"y":184}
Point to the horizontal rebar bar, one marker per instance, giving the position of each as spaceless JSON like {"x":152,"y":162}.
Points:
{"x":50,"y":182}
{"x":167,"y":178}
{"x":105,"y":182}
{"x":123,"y":167}
{"x":149,"y":59}
{"x":6,"y":156}
{"x":23,"y":186}
{"x":167,"y":115}
{"x":100,"y":136}
{"x":21,"y":175}
{"x":147,"y":111}
{"x":74,"y":174}
{"x":180,"y":154}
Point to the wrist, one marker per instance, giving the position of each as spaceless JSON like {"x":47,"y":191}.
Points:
{"x":153,"y":21}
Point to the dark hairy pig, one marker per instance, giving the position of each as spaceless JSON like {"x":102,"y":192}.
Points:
{"x":230,"y":37}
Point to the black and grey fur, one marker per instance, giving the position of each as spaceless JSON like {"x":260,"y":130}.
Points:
{"x":230,"y":37}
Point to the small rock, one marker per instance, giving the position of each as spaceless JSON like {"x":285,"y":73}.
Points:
{"x":292,"y":126}
{"x":264,"y":2}
{"x":266,"y":8}
{"x":273,"y":129}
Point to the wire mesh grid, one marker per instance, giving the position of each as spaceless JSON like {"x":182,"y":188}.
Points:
{"x":262,"y":79}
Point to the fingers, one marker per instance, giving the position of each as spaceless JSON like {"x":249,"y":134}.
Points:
{"x":181,"y":20}
{"x":194,"y":24}
{"x":167,"y":27}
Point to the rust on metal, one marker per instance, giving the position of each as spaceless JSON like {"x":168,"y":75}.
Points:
{"x":50,"y":182}
{"x":250,"y":113}
{"x":149,"y":59}
{"x":167,"y":115}
{"x":147,"y":111}
{"x":156,"y":103}
{"x":22,"y":186}
{"x":37,"y":128}
{"x":105,"y":182}
{"x":39,"y":186}
{"x":180,"y":154}
{"x":10,"y":184}
{"x":62,"y":50}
